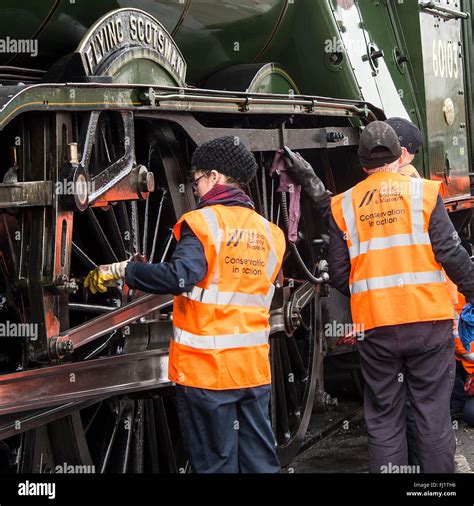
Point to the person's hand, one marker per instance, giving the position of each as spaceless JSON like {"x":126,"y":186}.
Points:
{"x":97,"y":277}
{"x":469,"y":385}
{"x":302,"y":173}
{"x":297,"y":167}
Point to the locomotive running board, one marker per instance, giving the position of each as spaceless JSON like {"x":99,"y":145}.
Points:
{"x":82,"y":381}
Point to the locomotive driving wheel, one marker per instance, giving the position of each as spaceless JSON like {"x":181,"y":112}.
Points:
{"x":140,"y":432}
{"x":136,"y":432}
{"x":296,"y":354}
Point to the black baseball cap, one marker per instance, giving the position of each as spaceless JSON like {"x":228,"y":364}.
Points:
{"x":378,"y":145}
{"x":408,"y":133}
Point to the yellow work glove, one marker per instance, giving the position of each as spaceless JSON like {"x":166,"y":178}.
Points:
{"x":96,"y":278}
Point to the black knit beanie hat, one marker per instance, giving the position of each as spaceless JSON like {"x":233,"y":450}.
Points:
{"x":229,"y":156}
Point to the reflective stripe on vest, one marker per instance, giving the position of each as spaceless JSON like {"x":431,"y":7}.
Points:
{"x":405,"y":278}
{"x":221,"y":341}
{"x":272,"y":258}
{"x":216,"y":233}
{"x":212,"y":295}
{"x":418,"y":236}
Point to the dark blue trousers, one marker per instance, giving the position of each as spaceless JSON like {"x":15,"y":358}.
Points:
{"x":227,"y":431}
{"x":414,"y":360}
{"x":460,"y":401}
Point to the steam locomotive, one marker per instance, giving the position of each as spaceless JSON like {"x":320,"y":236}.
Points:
{"x":101,"y":106}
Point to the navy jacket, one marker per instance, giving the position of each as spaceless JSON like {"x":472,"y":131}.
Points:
{"x":187,"y":267}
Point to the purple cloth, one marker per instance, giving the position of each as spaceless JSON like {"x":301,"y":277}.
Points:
{"x":287,"y":185}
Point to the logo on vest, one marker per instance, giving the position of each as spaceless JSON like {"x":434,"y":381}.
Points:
{"x":253,"y":240}
{"x":368,"y":198}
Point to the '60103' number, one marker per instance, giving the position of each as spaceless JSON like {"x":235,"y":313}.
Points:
{"x":445,"y":59}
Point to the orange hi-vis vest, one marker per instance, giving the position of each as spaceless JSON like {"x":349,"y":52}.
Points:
{"x":394,"y":277}
{"x":459,"y":301}
{"x":465,"y":357}
{"x":221,"y":327}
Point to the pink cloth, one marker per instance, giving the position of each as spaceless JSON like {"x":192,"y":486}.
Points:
{"x":286,"y":185}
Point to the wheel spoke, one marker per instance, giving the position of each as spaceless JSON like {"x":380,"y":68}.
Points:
{"x":115,"y":235}
{"x":133,"y":214}
{"x":92,"y":417}
{"x":168,"y":244}
{"x":101,"y":236}
{"x":123,"y":221}
{"x":113,"y":419}
{"x":123,"y":444}
{"x":157,"y":226}
{"x":90,"y":264}
{"x":282,"y":425}
{"x":147,"y":209}
{"x":163,"y":430}
{"x":138,"y":439}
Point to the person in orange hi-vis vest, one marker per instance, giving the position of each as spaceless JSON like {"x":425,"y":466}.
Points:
{"x":221,"y":274}
{"x":393,"y":228}
{"x":411,"y":141}
{"x":390,"y":237}
{"x":399,"y":293}
{"x":462,"y":399}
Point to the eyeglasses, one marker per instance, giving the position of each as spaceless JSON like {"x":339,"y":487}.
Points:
{"x":195,"y":183}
